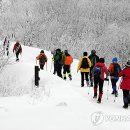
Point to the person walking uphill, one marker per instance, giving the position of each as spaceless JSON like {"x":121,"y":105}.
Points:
{"x":114,"y":70}
{"x":58,"y":62}
{"x":84,"y":67}
{"x":98,"y":74}
{"x":125,"y":84}
{"x":42,"y":59}
{"x":94,"y":59}
{"x":67,"y":61}
{"x":18,"y":50}
{"x":53,"y":53}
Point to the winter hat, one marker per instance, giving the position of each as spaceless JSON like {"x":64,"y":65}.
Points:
{"x":42,"y":51}
{"x":93,"y":52}
{"x":85,"y":54}
{"x":114,"y":60}
{"x":58,"y":50}
{"x":128,"y":63}
{"x":66,"y":51}
{"x":102,"y":60}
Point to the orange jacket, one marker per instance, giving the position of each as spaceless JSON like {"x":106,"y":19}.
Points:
{"x":111,"y":68}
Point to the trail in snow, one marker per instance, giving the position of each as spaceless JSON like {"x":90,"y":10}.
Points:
{"x":56,"y":104}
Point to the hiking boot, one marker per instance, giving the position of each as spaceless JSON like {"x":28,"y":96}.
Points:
{"x":116,"y":94}
{"x":112,"y":92}
{"x":95,"y":95}
{"x":91,"y":84}
{"x":125,"y":106}
{"x":99,"y":100}
{"x":17,"y":59}
{"x":82,"y":85}
{"x":70,"y":77}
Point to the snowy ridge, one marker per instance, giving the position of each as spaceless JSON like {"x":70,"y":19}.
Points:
{"x":56,"y":104}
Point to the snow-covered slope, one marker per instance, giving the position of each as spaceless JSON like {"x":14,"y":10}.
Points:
{"x":56,"y":104}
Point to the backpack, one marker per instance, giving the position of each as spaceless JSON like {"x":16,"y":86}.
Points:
{"x":68,"y":60}
{"x":116,"y":70}
{"x":97,"y":71}
{"x":58,"y":58}
{"x":84,"y":63}
{"x":18,"y":47}
{"x":42,"y":59}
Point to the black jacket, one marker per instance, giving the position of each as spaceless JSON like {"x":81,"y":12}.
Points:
{"x":94,"y":59}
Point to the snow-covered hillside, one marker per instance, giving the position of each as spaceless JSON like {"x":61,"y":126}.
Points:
{"x":56,"y":104}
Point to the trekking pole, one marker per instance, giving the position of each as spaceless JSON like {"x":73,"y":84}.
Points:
{"x":88,"y":90}
{"x":115,"y":99}
{"x":118,"y":89}
{"x":120,"y":83}
{"x":107,"y":89}
{"x":21,"y":57}
{"x":51,"y":66}
{"x":46,"y":66}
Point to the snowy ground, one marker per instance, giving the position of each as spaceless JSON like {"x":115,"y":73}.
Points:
{"x":56,"y":104}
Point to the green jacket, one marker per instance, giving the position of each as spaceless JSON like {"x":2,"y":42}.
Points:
{"x":58,"y":58}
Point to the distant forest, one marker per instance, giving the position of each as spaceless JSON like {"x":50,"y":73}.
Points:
{"x":76,"y":25}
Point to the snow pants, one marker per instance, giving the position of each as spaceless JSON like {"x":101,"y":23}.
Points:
{"x":58,"y":69}
{"x":98,"y":82}
{"x":66,"y":69}
{"x":84,"y":75}
{"x":126,"y":97}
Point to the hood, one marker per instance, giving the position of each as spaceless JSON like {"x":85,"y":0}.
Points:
{"x":100,"y":64}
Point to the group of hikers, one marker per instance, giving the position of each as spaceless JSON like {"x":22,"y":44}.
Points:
{"x":89,"y":66}
{"x":6,"y":44}
{"x":94,"y":67}
{"x":60,"y":60}
{"x":17,"y":49}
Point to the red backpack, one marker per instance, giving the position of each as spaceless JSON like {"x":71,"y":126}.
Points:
{"x":68,"y":60}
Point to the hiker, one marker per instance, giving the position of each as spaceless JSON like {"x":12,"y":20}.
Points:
{"x":5,"y":41}
{"x":42,"y":59}
{"x":84,"y":67}
{"x":18,"y":50}
{"x":58,"y":62}
{"x":67,"y":61}
{"x":98,"y":73}
{"x":94,"y":59}
{"x":125,"y":84}
{"x":114,"y":70}
{"x":6,"y":45}
{"x":53,"y":53}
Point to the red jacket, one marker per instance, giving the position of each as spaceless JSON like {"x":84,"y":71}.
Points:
{"x":125,"y":84}
{"x":38,"y":58}
{"x":17,"y":48}
{"x":104,"y":70}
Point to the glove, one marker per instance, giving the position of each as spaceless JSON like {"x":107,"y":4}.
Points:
{"x":106,"y":79}
{"x":123,"y":75}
